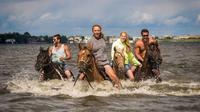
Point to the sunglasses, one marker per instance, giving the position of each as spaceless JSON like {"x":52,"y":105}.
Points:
{"x":145,"y":35}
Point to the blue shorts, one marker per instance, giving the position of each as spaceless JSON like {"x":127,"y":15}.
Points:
{"x":63,"y":65}
{"x":127,"y":67}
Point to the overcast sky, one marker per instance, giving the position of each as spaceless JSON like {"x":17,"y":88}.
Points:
{"x":75,"y":17}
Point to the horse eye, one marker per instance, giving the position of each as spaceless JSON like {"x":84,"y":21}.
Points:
{"x":115,"y":57}
{"x":88,"y":55}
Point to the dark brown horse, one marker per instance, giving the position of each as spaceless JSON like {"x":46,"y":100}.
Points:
{"x":47,"y":69}
{"x":151,"y":64}
{"x":118,"y":63}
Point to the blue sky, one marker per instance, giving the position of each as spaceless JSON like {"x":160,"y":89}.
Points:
{"x":75,"y":17}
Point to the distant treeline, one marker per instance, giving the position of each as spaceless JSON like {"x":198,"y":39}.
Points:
{"x":26,"y":38}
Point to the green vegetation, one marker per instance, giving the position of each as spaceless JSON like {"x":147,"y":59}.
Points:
{"x":26,"y":38}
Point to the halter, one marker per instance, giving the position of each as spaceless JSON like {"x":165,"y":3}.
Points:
{"x":87,"y":63}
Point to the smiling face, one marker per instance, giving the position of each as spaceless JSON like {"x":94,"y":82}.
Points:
{"x":96,"y":31}
{"x":123,"y":36}
{"x":145,"y":37}
{"x":56,"y":40}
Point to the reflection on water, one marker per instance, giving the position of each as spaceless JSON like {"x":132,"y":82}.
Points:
{"x":179,"y":91}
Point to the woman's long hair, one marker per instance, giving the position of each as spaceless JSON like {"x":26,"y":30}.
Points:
{"x":127,"y":43}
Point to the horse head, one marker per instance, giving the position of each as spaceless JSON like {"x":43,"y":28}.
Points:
{"x":85,"y":57}
{"x":154,"y":54}
{"x":118,"y":60}
{"x":42,"y":59}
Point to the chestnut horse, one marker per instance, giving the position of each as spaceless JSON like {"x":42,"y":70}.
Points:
{"x":118,"y":63}
{"x":87,"y":65}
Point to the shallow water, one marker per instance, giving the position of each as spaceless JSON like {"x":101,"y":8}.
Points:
{"x":20,"y":89}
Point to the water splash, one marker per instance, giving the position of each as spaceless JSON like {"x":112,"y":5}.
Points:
{"x":105,"y":88}
{"x":24,"y":82}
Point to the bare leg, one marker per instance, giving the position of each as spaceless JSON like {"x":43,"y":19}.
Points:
{"x":112,"y":75}
{"x":130,"y":75}
{"x":81,"y":77}
{"x":68,"y":74}
{"x":133,"y":70}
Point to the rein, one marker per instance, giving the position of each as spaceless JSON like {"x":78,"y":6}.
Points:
{"x":87,"y":64}
{"x":54,"y":68}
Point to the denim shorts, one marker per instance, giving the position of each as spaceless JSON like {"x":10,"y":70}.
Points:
{"x":127,"y":67}
{"x":65,"y":66}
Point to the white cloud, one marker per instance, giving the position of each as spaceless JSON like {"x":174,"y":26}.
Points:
{"x":49,"y":16}
{"x":141,"y":17}
{"x":198,"y":18}
{"x":176,"y":20}
{"x":45,"y":16}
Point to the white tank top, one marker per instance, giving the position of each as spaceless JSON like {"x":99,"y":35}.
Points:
{"x":57,"y":53}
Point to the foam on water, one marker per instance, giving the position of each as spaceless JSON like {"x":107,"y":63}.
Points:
{"x":24,"y":83}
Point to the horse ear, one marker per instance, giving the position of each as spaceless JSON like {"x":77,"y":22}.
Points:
{"x":80,"y":46}
{"x":90,"y":46}
{"x":41,"y":48}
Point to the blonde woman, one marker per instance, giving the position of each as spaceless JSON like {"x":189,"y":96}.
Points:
{"x":122,"y":44}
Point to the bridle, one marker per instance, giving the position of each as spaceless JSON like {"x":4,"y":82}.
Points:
{"x":86,"y":63}
{"x":114,"y":60}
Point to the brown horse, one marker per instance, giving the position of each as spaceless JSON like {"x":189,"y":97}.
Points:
{"x":50,"y":70}
{"x":151,"y":64}
{"x":87,"y":65}
{"x":118,"y":63}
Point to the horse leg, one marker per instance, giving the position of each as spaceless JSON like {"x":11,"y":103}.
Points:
{"x":138,"y":74}
{"x":41,"y":77}
{"x":156,"y":73}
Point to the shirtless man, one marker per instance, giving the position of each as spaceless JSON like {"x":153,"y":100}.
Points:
{"x":140,"y":45}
